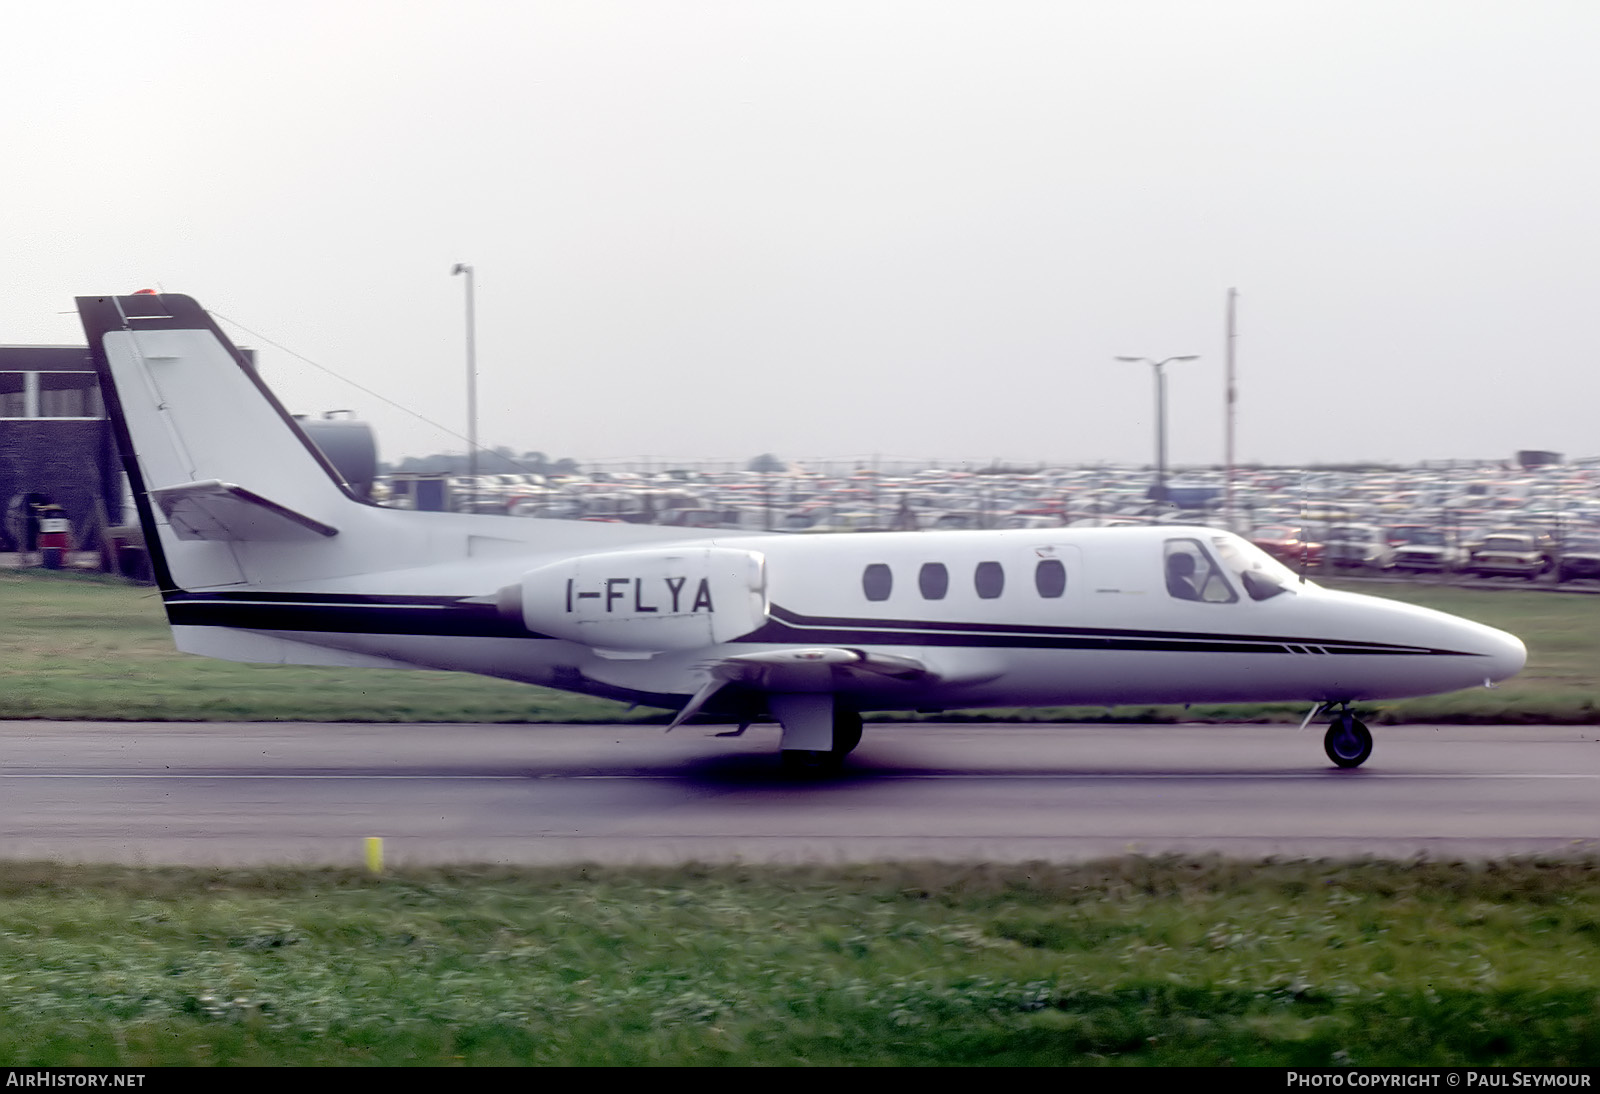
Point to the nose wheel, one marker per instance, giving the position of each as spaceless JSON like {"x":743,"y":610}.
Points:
{"x":1348,"y":742}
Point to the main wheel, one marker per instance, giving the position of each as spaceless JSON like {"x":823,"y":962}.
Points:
{"x":846,"y":732}
{"x":846,"y":735}
{"x":1348,"y":743}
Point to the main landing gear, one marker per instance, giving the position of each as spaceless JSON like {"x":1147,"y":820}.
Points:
{"x":843,"y":734}
{"x":1348,"y":742}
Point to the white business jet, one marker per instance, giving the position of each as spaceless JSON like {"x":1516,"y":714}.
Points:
{"x":263,"y":554}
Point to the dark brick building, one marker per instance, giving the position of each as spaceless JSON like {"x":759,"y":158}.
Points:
{"x":54,"y":438}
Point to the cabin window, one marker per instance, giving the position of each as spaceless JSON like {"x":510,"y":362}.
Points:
{"x":934,"y":580}
{"x":1192,"y":574}
{"x":877,"y":582}
{"x":1050,"y":577}
{"x":989,"y":579}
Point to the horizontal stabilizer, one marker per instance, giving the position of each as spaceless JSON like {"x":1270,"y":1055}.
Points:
{"x":215,"y":510}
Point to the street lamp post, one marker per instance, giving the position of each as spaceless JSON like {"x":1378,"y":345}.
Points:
{"x":1159,"y":491}
{"x":472,"y":382}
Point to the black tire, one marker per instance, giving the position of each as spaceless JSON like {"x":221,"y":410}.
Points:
{"x":846,"y":732}
{"x":846,"y":735}
{"x":1348,"y":742}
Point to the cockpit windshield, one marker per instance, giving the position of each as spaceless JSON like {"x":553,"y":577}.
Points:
{"x":1262,"y":576}
{"x":1210,"y":566}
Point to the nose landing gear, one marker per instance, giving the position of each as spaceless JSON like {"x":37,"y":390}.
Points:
{"x":1348,"y":742}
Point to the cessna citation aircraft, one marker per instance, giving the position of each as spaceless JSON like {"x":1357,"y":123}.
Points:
{"x":263,"y":554}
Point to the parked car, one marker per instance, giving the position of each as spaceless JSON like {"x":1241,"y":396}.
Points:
{"x":1419,"y":549}
{"x":1288,"y":544}
{"x":1580,"y":558}
{"x":1510,"y":554}
{"x":1358,"y":545}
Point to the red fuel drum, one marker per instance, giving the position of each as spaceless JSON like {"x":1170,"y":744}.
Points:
{"x":55,"y":540}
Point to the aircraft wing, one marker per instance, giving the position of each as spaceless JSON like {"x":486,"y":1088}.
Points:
{"x":802,"y":668}
{"x":771,"y":669}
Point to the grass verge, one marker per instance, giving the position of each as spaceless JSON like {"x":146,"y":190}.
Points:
{"x":1134,"y":961}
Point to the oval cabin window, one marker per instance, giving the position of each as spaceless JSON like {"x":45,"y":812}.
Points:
{"x":877,"y":582}
{"x":933,"y":580}
{"x":989,"y":580}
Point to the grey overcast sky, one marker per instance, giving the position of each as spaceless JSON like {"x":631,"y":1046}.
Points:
{"x":907,"y":227}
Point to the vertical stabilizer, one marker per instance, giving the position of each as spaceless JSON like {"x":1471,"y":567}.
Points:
{"x":223,"y":476}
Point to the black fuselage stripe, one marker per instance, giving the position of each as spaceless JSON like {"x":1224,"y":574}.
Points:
{"x":452,"y":617}
{"x":458,"y":621}
{"x":1066,"y":639}
{"x":811,"y":624}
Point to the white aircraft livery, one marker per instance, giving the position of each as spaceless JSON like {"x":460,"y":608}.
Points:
{"x":262,"y":553}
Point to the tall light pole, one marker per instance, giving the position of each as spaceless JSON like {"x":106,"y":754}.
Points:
{"x":1159,"y":491}
{"x":1232,"y":397}
{"x":472,"y":381}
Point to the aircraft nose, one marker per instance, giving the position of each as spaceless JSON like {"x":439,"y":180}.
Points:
{"x":1506,"y":653}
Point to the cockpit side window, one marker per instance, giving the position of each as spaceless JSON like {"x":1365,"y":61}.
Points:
{"x":1192,"y":574}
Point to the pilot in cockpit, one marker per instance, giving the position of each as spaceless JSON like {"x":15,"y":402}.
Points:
{"x":1180,"y":576}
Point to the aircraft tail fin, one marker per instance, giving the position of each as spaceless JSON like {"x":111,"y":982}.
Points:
{"x":213,"y":459}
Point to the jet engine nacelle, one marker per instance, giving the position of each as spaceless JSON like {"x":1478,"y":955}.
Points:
{"x":646,"y":601}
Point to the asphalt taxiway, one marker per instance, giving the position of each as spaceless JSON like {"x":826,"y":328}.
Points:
{"x":237,"y":794}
